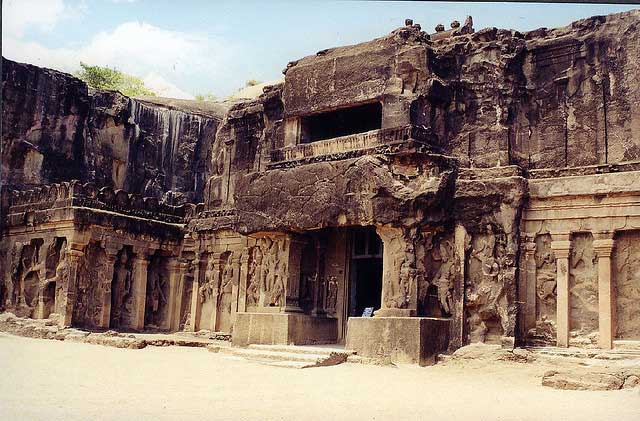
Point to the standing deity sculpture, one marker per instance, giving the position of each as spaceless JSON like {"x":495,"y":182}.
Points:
{"x":253,"y":290}
{"x":120,"y":289}
{"x":446,"y":275}
{"x":155,"y":296}
{"x":207,"y":289}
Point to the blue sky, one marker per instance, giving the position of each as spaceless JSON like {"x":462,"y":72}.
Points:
{"x":183,"y":48}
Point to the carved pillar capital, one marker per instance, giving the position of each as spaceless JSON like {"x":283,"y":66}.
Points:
{"x":142,"y":253}
{"x":561,"y":248}
{"x":604,"y":247}
{"x":529,"y":245}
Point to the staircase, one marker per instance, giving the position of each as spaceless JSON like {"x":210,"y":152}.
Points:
{"x":290,"y":356}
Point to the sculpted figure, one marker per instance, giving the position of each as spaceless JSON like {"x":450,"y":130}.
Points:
{"x":546,"y":276}
{"x":277,"y":293}
{"x":486,"y":254}
{"x":207,"y":288}
{"x":121,"y":287}
{"x":332,"y":293}
{"x":444,"y":278}
{"x":253,"y":291}
{"x":155,"y":295}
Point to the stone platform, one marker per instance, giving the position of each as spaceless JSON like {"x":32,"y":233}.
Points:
{"x":283,"y":329}
{"x":408,"y":340}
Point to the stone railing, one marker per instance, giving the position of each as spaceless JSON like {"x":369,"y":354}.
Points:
{"x":87,"y":195}
{"x":360,"y":141}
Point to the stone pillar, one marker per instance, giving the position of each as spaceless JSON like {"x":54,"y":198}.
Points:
{"x":561,"y":246}
{"x":293,"y":247}
{"x":139,"y":288}
{"x":235,"y":285}
{"x":530,"y":276}
{"x":399,"y":287}
{"x":107,"y":279}
{"x":195,"y":297}
{"x":172,"y":322}
{"x":75,"y":254}
{"x":244,"y":273}
{"x":603,"y":245}
{"x":462,"y":242}
{"x":216,"y":288}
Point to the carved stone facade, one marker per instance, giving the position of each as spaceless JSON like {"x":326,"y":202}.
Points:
{"x":406,"y":195}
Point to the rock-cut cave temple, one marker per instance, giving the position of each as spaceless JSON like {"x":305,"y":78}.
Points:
{"x":404,"y":196}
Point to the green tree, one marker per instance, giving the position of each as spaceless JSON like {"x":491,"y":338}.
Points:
{"x":208,"y":97}
{"x":252,"y":82}
{"x":111,"y":78}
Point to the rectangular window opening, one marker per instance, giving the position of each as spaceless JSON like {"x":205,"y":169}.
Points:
{"x":342,"y":122}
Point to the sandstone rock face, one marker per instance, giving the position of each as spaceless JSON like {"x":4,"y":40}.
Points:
{"x":56,"y":129}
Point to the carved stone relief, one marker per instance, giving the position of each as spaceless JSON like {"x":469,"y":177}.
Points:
{"x":545,"y":279}
{"x":267,"y":272}
{"x":441,"y":269}
{"x":187,"y":287}
{"x":26,"y":275}
{"x":486,"y":300}
{"x":225,"y":297}
{"x":93,"y":284}
{"x":208,"y":291}
{"x":626,"y":268}
{"x":121,"y":290}
{"x":332,"y":295}
{"x":583,"y":286}
{"x":399,"y":272}
{"x":544,"y":331}
{"x":156,"y":307}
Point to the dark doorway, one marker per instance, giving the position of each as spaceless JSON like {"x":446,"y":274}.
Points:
{"x":341,"y":122}
{"x":365,"y":271}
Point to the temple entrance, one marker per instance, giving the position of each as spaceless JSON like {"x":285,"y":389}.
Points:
{"x":365,"y":271}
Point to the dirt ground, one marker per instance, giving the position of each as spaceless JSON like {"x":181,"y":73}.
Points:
{"x":53,"y":380}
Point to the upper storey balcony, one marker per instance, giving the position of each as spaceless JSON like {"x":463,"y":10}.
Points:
{"x":376,"y":141}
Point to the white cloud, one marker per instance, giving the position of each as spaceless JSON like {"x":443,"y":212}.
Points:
{"x":162,"y":87}
{"x":166,"y":57}
{"x":43,"y":15}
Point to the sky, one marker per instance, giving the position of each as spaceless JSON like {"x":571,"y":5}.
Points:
{"x":190,"y":47}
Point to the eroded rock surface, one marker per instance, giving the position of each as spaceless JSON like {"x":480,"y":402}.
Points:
{"x":55,"y":128}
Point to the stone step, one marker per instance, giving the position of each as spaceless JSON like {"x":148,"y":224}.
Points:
{"x":614,"y":354}
{"x":296,"y":349}
{"x":275,"y":356}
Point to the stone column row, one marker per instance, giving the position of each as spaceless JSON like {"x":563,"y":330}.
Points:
{"x":603,"y":245}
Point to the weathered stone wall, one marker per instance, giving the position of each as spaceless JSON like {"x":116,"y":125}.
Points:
{"x":546,"y":98}
{"x":55,"y":128}
{"x":627,"y":280}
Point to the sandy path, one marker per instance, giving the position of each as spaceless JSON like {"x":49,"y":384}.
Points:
{"x":51,"y":380}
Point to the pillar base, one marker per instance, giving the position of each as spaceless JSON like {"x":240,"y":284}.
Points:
{"x":408,"y":340}
{"x":283,"y":329}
